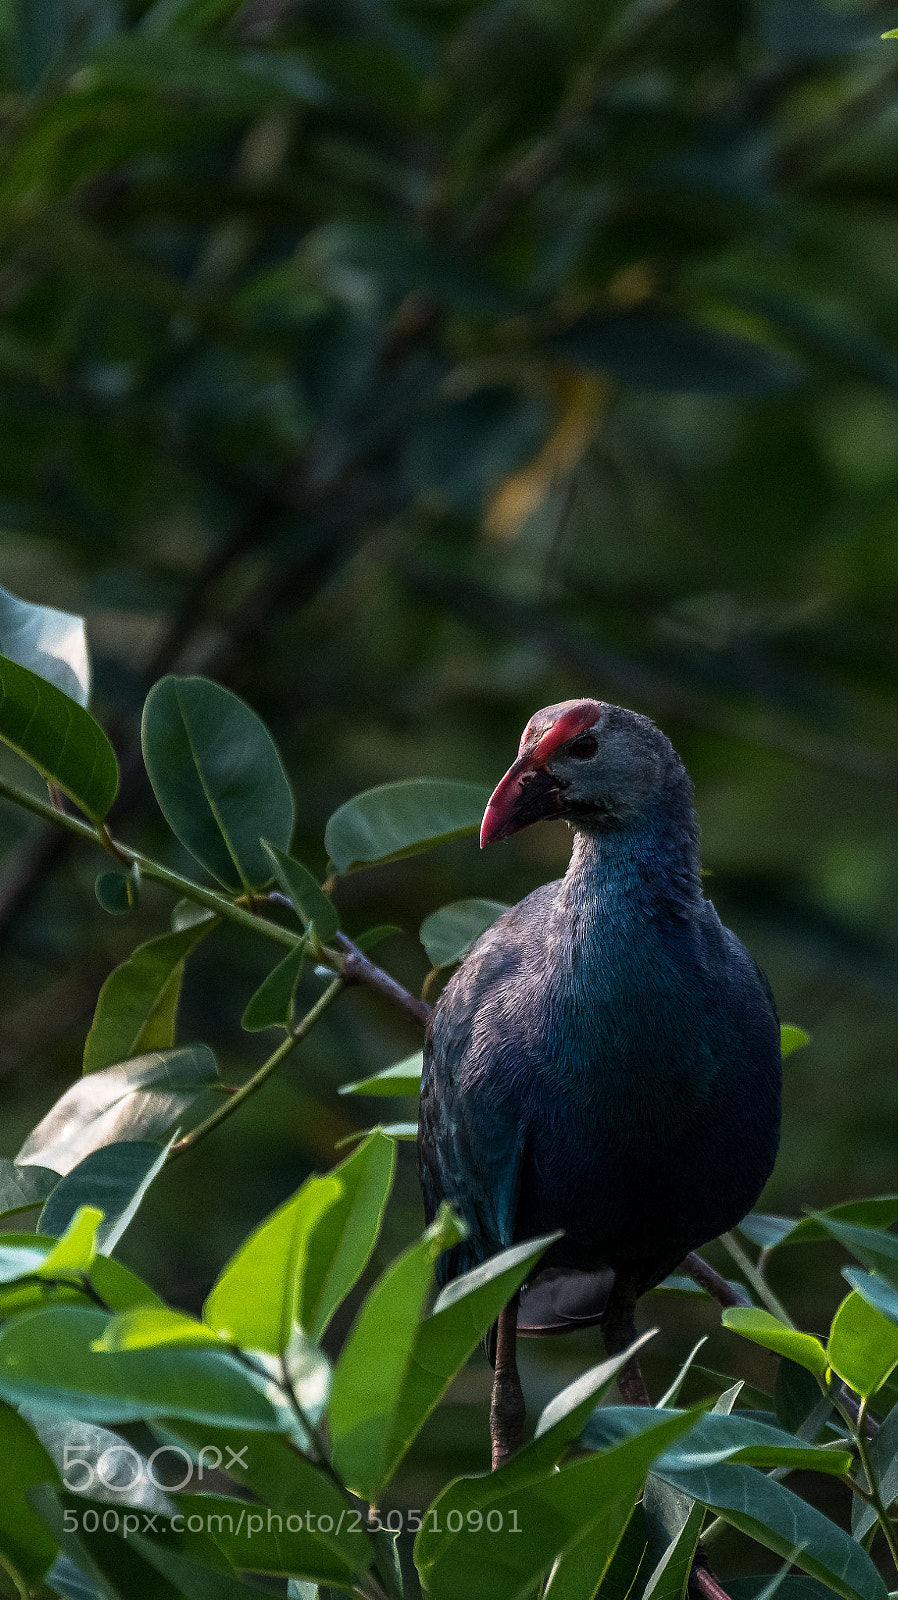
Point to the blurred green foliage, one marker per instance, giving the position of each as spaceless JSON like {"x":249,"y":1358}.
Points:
{"x":406,"y":365}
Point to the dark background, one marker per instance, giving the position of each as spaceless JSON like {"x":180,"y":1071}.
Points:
{"x":410,"y":366}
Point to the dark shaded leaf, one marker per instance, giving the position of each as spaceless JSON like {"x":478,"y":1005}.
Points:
{"x":114,"y":1178}
{"x":448,"y":934}
{"x":138,"y":1004}
{"x":218,"y":778}
{"x":660,"y":351}
{"x":401,"y":819}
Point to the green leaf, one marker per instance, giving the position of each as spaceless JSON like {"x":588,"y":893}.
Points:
{"x":24,"y":1463}
{"x":48,"y":1362}
{"x":863,"y":1345}
{"x":137,"y":1099}
{"x":58,"y":737}
{"x":303,"y":1261}
{"x":253,"y":1302}
{"x":315,"y":910}
{"x":288,"y":1482}
{"x":22,"y":1188}
{"x":883,"y":1452}
{"x":449,"y":933}
{"x":138,"y":1004}
{"x":345,"y":1235}
{"x":272,"y":1004}
{"x":764,"y":1329}
{"x":145,"y":1327}
{"x":877,"y":1249}
{"x":655,"y":350}
{"x":372,"y":937}
{"x":878,"y":1294}
{"x":542,"y":1519}
{"x":715,"y":1438}
{"x":49,"y":642}
{"x":402,"y":819}
{"x":117,"y":892}
{"x":76,"y":1250}
{"x":770,"y":1232}
{"x":22,"y":1253}
{"x":403,"y":1078}
{"x":377,"y":1408}
{"x":218,"y":778}
{"x":114,"y":1178}
{"x":407,"y":1131}
{"x":769,"y":1512}
{"x":792,"y":1038}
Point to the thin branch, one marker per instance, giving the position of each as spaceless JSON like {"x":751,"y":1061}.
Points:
{"x":356,"y":968}
{"x":255,"y":1083}
{"x":714,"y":1283}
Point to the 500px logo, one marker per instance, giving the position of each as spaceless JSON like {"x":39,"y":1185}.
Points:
{"x":80,"y":1474}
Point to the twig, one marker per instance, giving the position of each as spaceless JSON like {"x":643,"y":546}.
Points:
{"x":356,"y":968}
{"x":714,"y":1284}
{"x":253,"y":1084}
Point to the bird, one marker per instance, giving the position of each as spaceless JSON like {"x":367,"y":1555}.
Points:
{"x":605,"y":1061}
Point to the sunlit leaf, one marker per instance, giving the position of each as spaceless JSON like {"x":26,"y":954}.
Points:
{"x":58,"y":737}
{"x":403,"y":1078}
{"x":49,"y":642}
{"x":137,"y":1099}
{"x":862,"y":1346}
{"x":764,"y":1329}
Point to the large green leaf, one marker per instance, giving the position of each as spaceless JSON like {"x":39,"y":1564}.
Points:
{"x":137,"y":1099}
{"x":863,"y":1345}
{"x":346,"y":1233}
{"x":401,"y":819}
{"x":48,"y":1362}
{"x":313,"y":907}
{"x":876,"y":1248}
{"x":769,"y":1512}
{"x":24,"y":1463}
{"x":288,"y":1482}
{"x":769,"y":1232}
{"x":508,"y":1532}
{"x":138,"y":1004}
{"x":378,"y":1405}
{"x":715,"y":1438}
{"x":22,"y":1188}
{"x":49,"y":642}
{"x":449,"y":933}
{"x":253,"y":1302}
{"x":114,"y":1178}
{"x":761,"y":1327}
{"x":403,"y":1078}
{"x":762,"y":1507}
{"x":58,"y":737}
{"x":302,"y":1261}
{"x":218,"y":778}
{"x":877,"y":1291}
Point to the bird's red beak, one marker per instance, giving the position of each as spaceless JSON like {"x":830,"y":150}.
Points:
{"x":529,"y":792}
{"x":526,"y":794}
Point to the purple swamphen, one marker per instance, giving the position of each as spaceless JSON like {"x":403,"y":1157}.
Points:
{"x":606,"y":1059}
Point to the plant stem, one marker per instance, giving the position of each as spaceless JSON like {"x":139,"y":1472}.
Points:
{"x":149,"y":868}
{"x":253,"y":1084}
{"x":882,"y":1515}
{"x":756,"y":1279}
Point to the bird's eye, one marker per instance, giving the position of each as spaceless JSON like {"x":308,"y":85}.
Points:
{"x":582,"y":749}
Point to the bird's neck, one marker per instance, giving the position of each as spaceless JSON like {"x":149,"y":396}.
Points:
{"x":649,"y":870}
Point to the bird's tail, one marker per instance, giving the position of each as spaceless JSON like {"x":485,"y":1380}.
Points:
{"x":559,"y":1300}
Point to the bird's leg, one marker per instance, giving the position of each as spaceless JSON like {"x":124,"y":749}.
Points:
{"x":619,"y":1331}
{"x":507,"y":1411}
